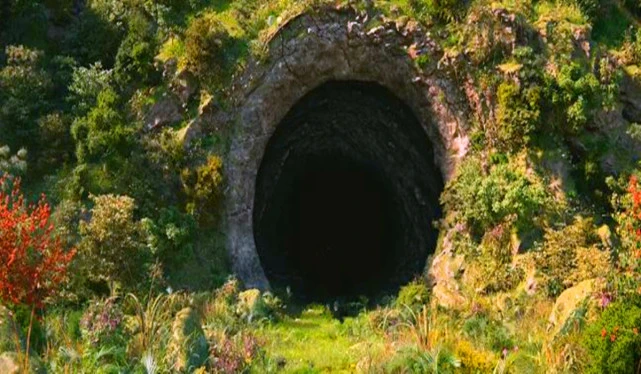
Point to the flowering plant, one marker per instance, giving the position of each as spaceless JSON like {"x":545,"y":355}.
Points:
{"x":101,"y":320}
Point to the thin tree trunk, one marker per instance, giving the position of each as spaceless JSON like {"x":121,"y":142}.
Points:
{"x":26,"y":356}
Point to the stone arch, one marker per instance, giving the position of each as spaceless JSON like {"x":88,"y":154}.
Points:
{"x":307,"y":52}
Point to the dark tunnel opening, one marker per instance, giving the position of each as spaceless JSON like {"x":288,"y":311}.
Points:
{"x":346,"y":195}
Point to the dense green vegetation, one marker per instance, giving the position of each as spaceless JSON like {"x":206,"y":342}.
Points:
{"x":547,"y":202}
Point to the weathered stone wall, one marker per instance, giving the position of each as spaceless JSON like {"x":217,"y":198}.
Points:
{"x":312,"y":49}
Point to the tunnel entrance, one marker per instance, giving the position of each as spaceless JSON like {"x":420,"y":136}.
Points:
{"x":346,"y":195}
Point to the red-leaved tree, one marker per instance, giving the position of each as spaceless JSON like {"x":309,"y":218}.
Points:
{"x":33,"y":260}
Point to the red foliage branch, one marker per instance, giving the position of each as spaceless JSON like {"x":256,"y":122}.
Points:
{"x":33,"y":260}
{"x":635,"y":211}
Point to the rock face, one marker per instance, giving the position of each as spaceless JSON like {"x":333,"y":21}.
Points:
{"x":165,"y":111}
{"x":185,"y":85}
{"x":442,"y":274}
{"x":308,"y":51}
{"x":188,"y":347}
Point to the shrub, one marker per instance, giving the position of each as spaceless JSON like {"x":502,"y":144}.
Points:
{"x":206,"y":41}
{"x":613,"y":341}
{"x":170,"y":236}
{"x":234,"y":354}
{"x":484,"y":198}
{"x":472,"y":359}
{"x":98,"y":26}
{"x":413,"y":295}
{"x":570,"y":255}
{"x":204,"y":187}
{"x":112,"y":245}
{"x":578,"y":93}
{"x":628,"y":218}
{"x":34,"y":258}
{"x":14,"y":165}
{"x":55,"y":143}
{"x":495,"y":260}
{"x":103,"y":133}
{"x":489,"y":333}
{"x":517,"y":115}
{"x":101,"y":322}
{"x":135,"y":58}
{"x":86,"y":85}
{"x":25,"y":88}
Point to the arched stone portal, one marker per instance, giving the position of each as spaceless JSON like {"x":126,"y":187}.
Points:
{"x":346,"y":194}
{"x":317,"y":54}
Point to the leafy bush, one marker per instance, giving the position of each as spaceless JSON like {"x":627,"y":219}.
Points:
{"x":206,"y":41}
{"x":613,"y":341}
{"x":25,"y":88}
{"x":135,"y":58}
{"x":484,"y":197}
{"x":474,"y":360}
{"x":234,"y":354}
{"x":55,"y":142}
{"x":103,"y":133}
{"x":35,"y":260}
{"x":517,"y":114}
{"x":170,"y":236}
{"x":495,"y":260}
{"x":86,"y":85}
{"x":570,"y":255}
{"x":628,"y":218}
{"x":112,"y":245}
{"x":203,"y":186}
{"x":12,"y":164}
{"x":414,"y":295}
{"x":489,"y":333}
{"x":101,"y":322}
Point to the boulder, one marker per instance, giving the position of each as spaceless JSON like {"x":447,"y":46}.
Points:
{"x":442,"y":274}
{"x":188,"y":348}
{"x":11,"y":363}
{"x":569,"y":302}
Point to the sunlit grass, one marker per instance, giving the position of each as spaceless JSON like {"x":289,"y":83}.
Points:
{"x":317,"y":342}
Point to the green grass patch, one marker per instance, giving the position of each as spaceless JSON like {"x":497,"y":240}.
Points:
{"x":315,"y":342}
